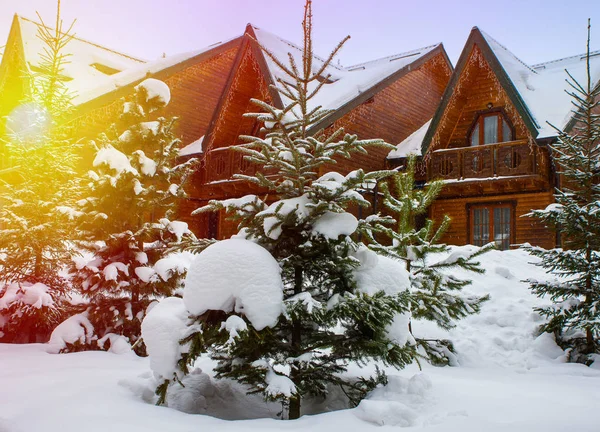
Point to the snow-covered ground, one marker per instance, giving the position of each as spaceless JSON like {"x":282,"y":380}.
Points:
{"x":508,"y":380}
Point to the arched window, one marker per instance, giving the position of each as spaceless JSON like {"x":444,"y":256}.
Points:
{"x":490,"y":128}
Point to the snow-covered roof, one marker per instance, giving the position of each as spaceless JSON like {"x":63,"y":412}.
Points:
{"x":130,"y":76}
{"x":88,"y":64}
{"x":412,"y":143}
{"x":542,"y":86}
{"x":346,"y":82}
{"x":93,"y":70}
{"x":192,"y":148}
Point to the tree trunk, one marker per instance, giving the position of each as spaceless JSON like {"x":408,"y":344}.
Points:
{"x":294,"y":407}
{"x":294,"y":410}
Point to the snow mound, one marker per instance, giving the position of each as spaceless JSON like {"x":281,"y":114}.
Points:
{"x":115,"y":160}
{"x":35,"y":295}
{"x":77,"y":328}
{"x":379,"y":273}
{"x":236,"y":275}
{"x":506,"y":331}
{"x":162,"y":329}
{"x":332,"y":225}
{"x":155,"y":91}
{"x":396,"y":404}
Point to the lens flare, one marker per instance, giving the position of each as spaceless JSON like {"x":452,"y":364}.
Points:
{"x":28,"y":122}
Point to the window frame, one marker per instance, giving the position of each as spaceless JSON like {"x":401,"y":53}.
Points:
{"x":479,"y":121}
{"x":491,"y":206}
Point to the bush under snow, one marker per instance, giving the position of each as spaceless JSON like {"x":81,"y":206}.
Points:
{"x":236,"y":275}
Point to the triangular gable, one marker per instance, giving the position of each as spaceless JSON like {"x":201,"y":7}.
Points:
{"x":13,"y":85}
{"x":248,"y":79}
{"x":477,"y":41}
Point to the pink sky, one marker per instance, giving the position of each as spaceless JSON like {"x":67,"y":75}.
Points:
{"x":535,"y":30}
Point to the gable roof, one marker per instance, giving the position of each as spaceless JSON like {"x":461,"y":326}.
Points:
{"x":347,"y":87}
{"x":411,"y":145}
{"x":95,"y":72}
{"x":350,"y":86}
{"x":543,"y":86}
{"x":88,"y":63}
{"x":537,"y":91}
{"x":116,"y":84}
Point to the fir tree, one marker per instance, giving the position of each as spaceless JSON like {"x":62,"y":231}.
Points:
{"x":125,"y":221}
{"x":574,"y":315}
{"x":36,"y":201}
{"x":329,"y":319}
{"x":435,"y":293}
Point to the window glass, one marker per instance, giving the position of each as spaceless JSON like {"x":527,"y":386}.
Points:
{"x":506,"y":132}
{"x":475,"y":135}
{"x":481,"y":226}
{"x":502,"y":227}
{"x":490,"y":129}
{"x":498,"y":229}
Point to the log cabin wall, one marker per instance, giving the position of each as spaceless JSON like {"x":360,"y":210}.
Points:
{"x":524,"y":229}
{"x":195,"y":92}
{"x":394,"y":113}
{"x":476,"y":89}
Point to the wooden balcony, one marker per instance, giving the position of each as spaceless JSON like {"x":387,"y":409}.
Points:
{"x":223,"y":163}
{"x":507,"y":159}
{"x":513,"y":160}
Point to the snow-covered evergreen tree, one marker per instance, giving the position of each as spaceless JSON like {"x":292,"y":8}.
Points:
{"x":36,"y":199}
{"x":125,"y":216}
{"x":574,"y":315}
{"x":435,"y":292}
{"x":331,"y":315}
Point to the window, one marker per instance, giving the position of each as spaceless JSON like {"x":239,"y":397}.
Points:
{"x":491,"y":223}
{"x":490,"y":128}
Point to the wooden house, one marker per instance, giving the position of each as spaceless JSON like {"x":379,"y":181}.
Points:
{"x":211,"y":89}
{"x":488,"y":142}
{"x":387,"y":98}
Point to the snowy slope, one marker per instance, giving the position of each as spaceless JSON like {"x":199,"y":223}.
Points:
{"x":508,"y":380}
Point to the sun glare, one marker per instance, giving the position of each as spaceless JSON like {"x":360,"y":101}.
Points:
{"x":28,"y":122}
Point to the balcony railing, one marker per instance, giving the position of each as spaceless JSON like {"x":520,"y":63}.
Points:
{"x":507,"y":159}
{"x":223,"y":163}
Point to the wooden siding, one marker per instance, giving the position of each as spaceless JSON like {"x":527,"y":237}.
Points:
{"x":395,"y":112}
{"x":476,"y":89}
{"x":195,"y":93}
{"x":526,"y":229}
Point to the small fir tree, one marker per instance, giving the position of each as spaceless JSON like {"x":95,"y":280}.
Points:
{"x":37,"y":198}
{"x":125,"y":218}
{"x":329,"y":319}
{"x":574,"y":315}
{"x":435,"y":293}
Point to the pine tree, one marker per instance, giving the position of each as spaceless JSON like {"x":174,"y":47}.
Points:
{"x":574,"y":315}
{"x":435,"y":293}
{"x":35,"y":202}
{"x":125,"y":217}
{"x":329,"y":320}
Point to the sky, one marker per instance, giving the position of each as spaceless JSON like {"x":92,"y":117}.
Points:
{"x":534,"y":30}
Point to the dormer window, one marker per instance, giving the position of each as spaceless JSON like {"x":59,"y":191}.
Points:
{"x":490,"y":128}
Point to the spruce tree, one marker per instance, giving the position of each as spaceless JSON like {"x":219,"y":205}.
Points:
{"x":329,"y":320}
{"x":574,"y":315}
{"x":37,"y":198}
{"x":125,"y":218}
{"x":435,"y":292}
